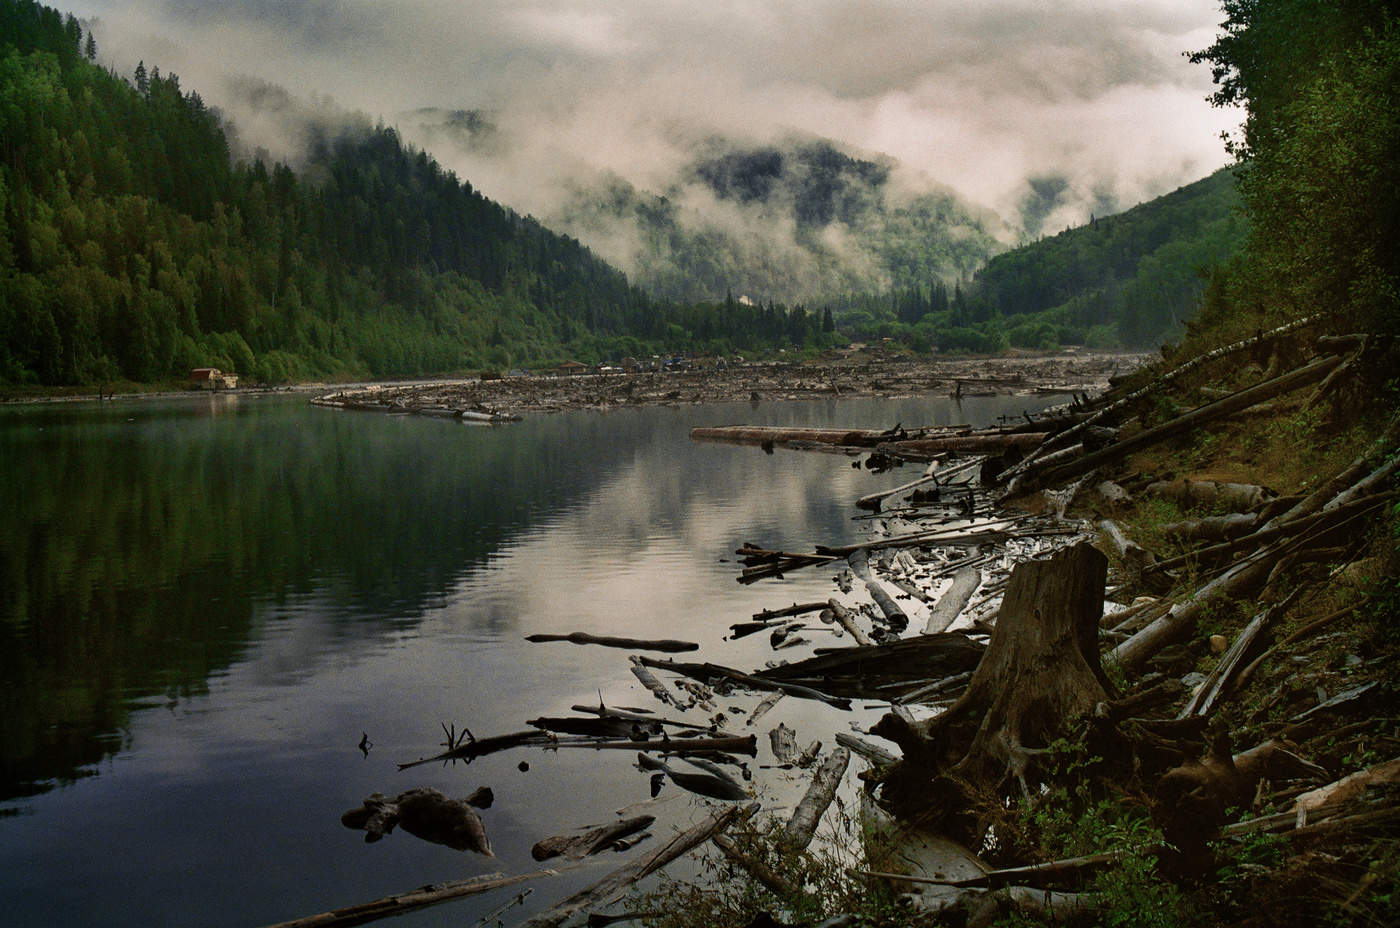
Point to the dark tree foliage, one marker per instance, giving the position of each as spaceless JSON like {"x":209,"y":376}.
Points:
{"x":1320,"y":153}
{"x":133,"y":247}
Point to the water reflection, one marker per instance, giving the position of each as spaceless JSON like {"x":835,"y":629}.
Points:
{"x":208,"y":601}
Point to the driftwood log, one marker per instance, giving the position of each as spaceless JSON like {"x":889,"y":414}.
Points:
{"x":424,"y":813}
{"x":611,"y":887}
{"x":802,"y":826}
{"x":578,"y":846}
{"x":412,"y":900}
{"x":611,"y":641}
{"x":951,"y":604}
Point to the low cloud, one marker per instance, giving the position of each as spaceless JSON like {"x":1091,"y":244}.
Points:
{"x":977,"y":98}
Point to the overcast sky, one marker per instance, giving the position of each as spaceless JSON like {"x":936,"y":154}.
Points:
{"x":978,"y":96}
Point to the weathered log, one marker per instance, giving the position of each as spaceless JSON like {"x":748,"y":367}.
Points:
{"x":611,"y":887}
{"x":1201,"y":415}
{"x":1211,"y":493}
{"x":1349,"y":787}
{"x":1342,"y":480}
{"x":648,"y":679}
{"x":1212,"y":528}
{"x":775,"y":881}
{"x":1249,"y":344}
{"x":864,"y":672}
{"x":412,"y":900}
{"x":763,"y":434}
{"x":635,"y":716}
{"x":767,"y":615}
{"x":715,"y":784}
{"x":872,"y":501}
{"x":708,"y":671}
{"x":924,"y":449}
{"x":1238,"y":582}
{"x":945,"y":612}
{"x":578,"y":846}
{"x":871,"y":752}
{"x":847,"y":620}
{"x":424,"y":813}
{"x":598,"y":727}
{"x":802,"y":826}
{"x":480,"y":747}
{"x":764,"y":705}
{"x":611,"y":641}
{"x":893,"y":614}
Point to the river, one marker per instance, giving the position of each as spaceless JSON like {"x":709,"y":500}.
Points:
{"x":205,"y":602}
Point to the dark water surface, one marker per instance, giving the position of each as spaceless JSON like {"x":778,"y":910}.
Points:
{"x":204,"y":602}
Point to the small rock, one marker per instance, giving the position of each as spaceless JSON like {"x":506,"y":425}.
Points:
{"x":1218,"y":643}
{"x":1192,"y":680}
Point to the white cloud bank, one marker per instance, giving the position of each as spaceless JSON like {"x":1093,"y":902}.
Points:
{"x":975,"y":96}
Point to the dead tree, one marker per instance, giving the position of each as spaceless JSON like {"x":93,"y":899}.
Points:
{"x":1040,"y":672}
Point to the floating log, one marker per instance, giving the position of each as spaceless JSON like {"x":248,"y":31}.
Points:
{"x":764,"y":434}
{"x":945,"y":612}
{"x":894,"y":615}
{"x":766,"y":615}
{"x":857,"y":672}
{"x":708,"y":671}
{"x":872,"y":501}
{"x":578,"y":846}
{"x":648,"y":679}
{"x":424,"y":813}
{"x":610,"y":641}
{"x":799,"y":830}
{"x":767,"y":703}
{"x":599,"y":727}
{"x":775,"y":881}
{"x":636,"y":716}
{"x":720,"y":744}
{"x":413,"y":899}
{"x":611,"y":887}
{"x":479,"y":747}
{"x":715,"y":784}
{"x":924,"y":449}
{"x":847,"y":620}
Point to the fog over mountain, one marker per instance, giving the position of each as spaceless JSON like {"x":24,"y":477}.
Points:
{"x":641,"y":125}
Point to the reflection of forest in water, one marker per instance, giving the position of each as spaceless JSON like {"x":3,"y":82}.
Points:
{"x":145,"y":542}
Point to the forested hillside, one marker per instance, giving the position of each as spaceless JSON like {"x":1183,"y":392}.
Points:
{"x":134,"y":248}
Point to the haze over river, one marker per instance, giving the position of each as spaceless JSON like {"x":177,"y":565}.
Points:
{"x":205,"y":601}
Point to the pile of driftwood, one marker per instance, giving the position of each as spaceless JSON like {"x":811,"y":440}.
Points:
{"x":964,"y":547}
{"x":991,"y":617}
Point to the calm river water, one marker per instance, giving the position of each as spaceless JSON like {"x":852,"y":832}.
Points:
{"x":205,"y":602}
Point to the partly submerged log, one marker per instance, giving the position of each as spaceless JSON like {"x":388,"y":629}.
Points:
{"x":708,"y":671}
{"x":420,"y":898}
{"x":610,"y":641}
{"x":649,"y":680}
{"x":883,"y":671}
{"x":847,"y":620}
{"x":480,"y":747}
{"x":611,"y":887}
{"x":802,"y":826}
{"x":715,"y":784}
{"x":578,"y":846}
{"x":424,"y":813}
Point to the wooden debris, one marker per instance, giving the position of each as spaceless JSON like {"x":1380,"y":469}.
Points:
{"x":707,"y":671}
{"x":714,"y":784}
{"x":611,"y":887}
{"x":775,"y":881}
{"x":803,"y":824}
{"x":846,"y":619}
{"x":648,"y":679}
{"x":424,"y":813}
{"x":578,"y":846}
{"x":412,"y":900}
{"x":951,"y":604}
{"x":610,"y":641}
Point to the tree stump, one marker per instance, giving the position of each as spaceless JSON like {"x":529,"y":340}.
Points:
{"x":1040,"y":672}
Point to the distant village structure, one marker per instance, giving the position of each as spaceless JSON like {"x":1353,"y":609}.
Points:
{"x":211,"y":378}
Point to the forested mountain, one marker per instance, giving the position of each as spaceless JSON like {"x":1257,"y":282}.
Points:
{"x":1127,"y":280}
{"x":134,"y":248}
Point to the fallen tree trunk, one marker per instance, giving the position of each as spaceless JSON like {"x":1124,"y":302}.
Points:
{"x":803,"y":824}
{"x":708,"y":671}
{"x":923,"y":449}
{"x":1248,"y":344}
{"x":610,"y":641}
{"x":847,"y":620}
{"x":765,"y":434}
{"x":1202,"y":415}
{"x":611,"y":887}
{"x":578,"y":846}
{"x":951,"y":604}
{"x":420,"y":898}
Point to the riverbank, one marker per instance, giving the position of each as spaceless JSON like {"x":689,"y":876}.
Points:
{"x":834,"y":377}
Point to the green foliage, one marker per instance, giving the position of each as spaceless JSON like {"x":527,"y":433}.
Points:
{"x":1321,"y":152}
